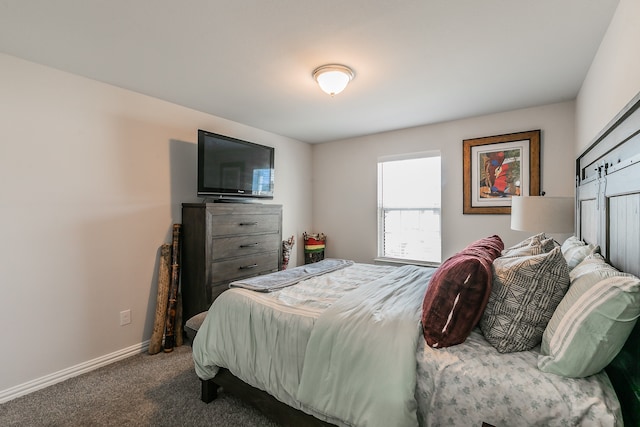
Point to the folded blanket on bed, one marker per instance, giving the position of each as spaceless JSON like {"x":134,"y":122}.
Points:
{"x":278,"y":280}
{"x":360,"y":363}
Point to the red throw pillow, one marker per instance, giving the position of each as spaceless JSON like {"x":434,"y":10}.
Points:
{"x":458,"y":293}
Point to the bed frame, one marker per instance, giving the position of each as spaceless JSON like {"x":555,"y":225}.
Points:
{"x":271,"y":407}
{"x":607,"y":214}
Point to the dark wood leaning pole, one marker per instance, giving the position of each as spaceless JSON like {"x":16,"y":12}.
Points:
{"x":178,"y":322}
{"x":170,"y":329}
{"x":155,"y":344}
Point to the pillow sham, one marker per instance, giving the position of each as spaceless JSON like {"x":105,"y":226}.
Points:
{"x":458,"y":293}
{"x":529,"y":241}
{"x":593,"y":320}
{"x":534,"y":248}
{"x":526,"y":291}
{"x":548,"y":244}
{"x":533,"y":245}
{"x":575,"y":250}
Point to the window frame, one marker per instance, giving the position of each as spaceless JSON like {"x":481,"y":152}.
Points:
{"x":380,"y":211}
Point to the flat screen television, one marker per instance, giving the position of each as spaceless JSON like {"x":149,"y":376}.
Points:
{"x":233,"y":168}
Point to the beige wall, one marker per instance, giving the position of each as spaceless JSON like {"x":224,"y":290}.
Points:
{"x":92,"y":178}
{"x":614,"y":76}
{"x":345,"y":177}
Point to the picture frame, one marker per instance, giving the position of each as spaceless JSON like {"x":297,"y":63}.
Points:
{"x":495,"y":168}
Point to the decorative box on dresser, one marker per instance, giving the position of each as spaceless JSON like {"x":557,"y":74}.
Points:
{"x":223,"y":242}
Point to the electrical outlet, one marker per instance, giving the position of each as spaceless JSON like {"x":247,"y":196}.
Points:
{"x":125,"y":317}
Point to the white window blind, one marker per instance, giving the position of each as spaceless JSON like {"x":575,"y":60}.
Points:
{"x":409,"y":200}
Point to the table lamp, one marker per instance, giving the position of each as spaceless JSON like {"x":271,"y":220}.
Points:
{"x":542,"y":214}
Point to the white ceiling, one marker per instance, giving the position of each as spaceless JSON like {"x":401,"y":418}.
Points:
{"x":416,"y":61}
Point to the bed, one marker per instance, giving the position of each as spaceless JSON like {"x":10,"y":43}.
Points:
{"x":351,"y":347}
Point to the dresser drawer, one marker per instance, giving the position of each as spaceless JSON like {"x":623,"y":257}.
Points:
{"x":223,"y":242}
{"x":228,"y":247}
{"x":237,"y":268}
{"x":228,"y":225}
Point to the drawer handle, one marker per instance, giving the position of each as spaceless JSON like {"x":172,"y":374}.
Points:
{"x":249,"y":245}
{"x":248,"y":267}
{"x":249,"y":223}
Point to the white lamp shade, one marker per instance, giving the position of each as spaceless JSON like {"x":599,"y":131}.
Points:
{"x":332,"y":79}
{"x":542,"y":214}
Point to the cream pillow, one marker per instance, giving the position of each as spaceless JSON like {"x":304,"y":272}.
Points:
{"x":593,"y":320}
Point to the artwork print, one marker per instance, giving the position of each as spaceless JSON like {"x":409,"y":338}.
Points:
{"x":497,"y":168}
{"x":499,"y":173}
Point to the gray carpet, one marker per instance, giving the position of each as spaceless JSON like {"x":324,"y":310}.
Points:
{"x":143,"y":390}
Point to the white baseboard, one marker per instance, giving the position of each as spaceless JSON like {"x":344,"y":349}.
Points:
{"x":65,"y":374}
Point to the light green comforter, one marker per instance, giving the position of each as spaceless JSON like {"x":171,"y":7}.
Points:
{"x":359,"y":372}
{"x":360,"y":365}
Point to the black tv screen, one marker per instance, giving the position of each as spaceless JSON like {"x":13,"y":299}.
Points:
{"x":230,"y":167}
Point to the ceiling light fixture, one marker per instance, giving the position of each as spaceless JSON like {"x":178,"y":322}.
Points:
{"x":333,"y":78}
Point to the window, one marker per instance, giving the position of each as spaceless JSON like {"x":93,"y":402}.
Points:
{"x":409,"y":208}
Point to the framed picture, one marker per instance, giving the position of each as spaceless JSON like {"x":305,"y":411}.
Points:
{"x":498,"y":167}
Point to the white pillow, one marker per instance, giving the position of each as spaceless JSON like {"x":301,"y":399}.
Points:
{"x":575,"y":250}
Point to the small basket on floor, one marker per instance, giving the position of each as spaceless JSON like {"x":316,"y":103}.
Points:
{"x":314,"y":245}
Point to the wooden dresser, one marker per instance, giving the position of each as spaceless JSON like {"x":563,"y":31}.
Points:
{"x":223,"y":242}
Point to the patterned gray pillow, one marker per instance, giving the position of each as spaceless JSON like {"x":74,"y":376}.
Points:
{"x":533,"y":245}
{"x":526,"y":291}
{"x":531,"y":241}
